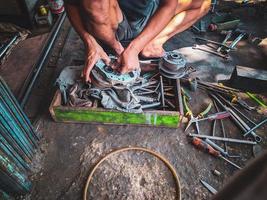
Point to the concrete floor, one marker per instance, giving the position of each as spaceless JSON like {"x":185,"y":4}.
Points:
{"x":68,"y":151}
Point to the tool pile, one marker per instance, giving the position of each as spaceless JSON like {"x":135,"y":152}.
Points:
{"x":228,"y":104}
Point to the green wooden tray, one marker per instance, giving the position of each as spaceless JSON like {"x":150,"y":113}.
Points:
{"x":158,"y":118}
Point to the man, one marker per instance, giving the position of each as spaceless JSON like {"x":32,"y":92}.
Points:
{"x":147,"y":24}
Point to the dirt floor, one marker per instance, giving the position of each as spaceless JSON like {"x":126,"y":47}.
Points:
{"x":69,"y":151}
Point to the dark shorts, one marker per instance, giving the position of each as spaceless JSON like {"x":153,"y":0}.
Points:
{"x":136,"y":14}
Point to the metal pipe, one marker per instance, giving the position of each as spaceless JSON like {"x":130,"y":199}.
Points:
{"x":31,"y":79}
{"x":223,"y":139}
{"x":179,"y":93}
{"x":162,"y":92}
{"x":3,"y":52}
{"x":255,"y":127}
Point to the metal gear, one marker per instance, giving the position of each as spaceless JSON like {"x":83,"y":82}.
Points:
{"x":104,"y":76}
{"x":173,"y":65}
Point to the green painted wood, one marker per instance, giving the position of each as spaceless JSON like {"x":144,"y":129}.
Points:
{"x":167,"y":119}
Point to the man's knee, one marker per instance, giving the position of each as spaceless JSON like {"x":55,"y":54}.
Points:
{"x":205,"y":6}
{"x":202,"y":5}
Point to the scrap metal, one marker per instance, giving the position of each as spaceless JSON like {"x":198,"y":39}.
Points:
{"x":209,"y":187}
{"x":173,"y":65}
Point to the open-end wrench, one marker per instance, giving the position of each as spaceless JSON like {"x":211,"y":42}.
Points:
{"x":234,"y":43}
{"x":227,"y":37}
{"x":214,"y":42}
{"x":208,"y":50}
{"x":240,"y":122}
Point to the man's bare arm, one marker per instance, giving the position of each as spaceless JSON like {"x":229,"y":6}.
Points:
{"x":156,"y":24}
{"x":94,"y":51}
{"x":128,"y":60}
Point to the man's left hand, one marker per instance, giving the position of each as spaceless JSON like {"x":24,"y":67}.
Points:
{"x":128,"y":61}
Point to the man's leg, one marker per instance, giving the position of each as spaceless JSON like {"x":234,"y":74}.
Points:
{"x":103,"y":17}
{"x":188,"y":12}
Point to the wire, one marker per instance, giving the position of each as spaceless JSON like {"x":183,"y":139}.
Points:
{"x":164,"y":160}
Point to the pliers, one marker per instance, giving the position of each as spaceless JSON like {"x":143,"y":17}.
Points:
{"x":191,"y":116}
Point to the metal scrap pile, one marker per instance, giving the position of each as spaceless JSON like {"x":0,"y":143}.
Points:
{"x":130,"y":92}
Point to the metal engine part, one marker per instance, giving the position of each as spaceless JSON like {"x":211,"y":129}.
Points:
{"x":104,"y":76}
{"x":173,"y":65}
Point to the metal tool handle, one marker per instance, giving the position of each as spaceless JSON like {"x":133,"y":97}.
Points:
{"x":244,"y":125}
{"x":203,"y":113}
{"x":220,"y":115}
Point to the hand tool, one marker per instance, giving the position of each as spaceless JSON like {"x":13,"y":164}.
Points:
{"x":227,"y":37}
{"x":234,"y":43}
{"x":255,"y":127}
{"x":8,"y":45}
{"x":214,"y":3}
{"x":232,"y":140}
{"x":222,"y":126}
{"x":236,"y":110}
{"x":214,"y":128}
{"x":209,"y":187}
{"x":199,"y":143}
{"x":237,"y":119}
{"x":219,"y":115}
{"x":220,"y":149}
{"x":212,"y":42}
{"x":191,"y":115}
{"x":210,"y":51}
{"x":162,"y":92}
{"x":244,"y":125}
{"x":252,"y":96}
{"x":185,"y":93}
{"x":236,"y":99}
{"x":215,"y":146}
{"x":180,"y":100}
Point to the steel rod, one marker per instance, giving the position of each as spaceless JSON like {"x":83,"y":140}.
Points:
{"x":31,"y":79}
{"x":232,"y":140}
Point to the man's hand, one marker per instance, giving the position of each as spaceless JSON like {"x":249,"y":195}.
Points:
{"x":94,"y":52}
{"x":128,"y":60}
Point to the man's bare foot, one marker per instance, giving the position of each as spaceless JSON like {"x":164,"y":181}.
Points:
{"x":153,"y":51}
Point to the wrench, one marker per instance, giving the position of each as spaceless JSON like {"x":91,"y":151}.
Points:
{"x":210,"y":51}
{"x":234,"y":43}
{"x":227,"y":37}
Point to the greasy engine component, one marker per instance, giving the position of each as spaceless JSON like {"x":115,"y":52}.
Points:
{"x":104,"y":76}
{"x":173,"y":65}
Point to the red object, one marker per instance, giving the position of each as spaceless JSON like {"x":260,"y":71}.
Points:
{"x":56,"y":6}
{"x":212,"y":27}
{"x":200,"y":144}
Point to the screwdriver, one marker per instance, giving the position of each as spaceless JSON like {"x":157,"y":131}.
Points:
{"x":219,"y":115}
{"x":200,"y":144}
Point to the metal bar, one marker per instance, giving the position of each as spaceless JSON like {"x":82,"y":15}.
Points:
{"x":213,"y":42}
{"x":162,"y":92}
{"x":255,"y":127}
{"x":222,"y":126}
{"x":179,"y":94}
{"x":17,"y":109}
{"x":232,"y":140}
{"x":236,"y":110}
{"x":31,"y":79}
{"x":3,"y":52}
